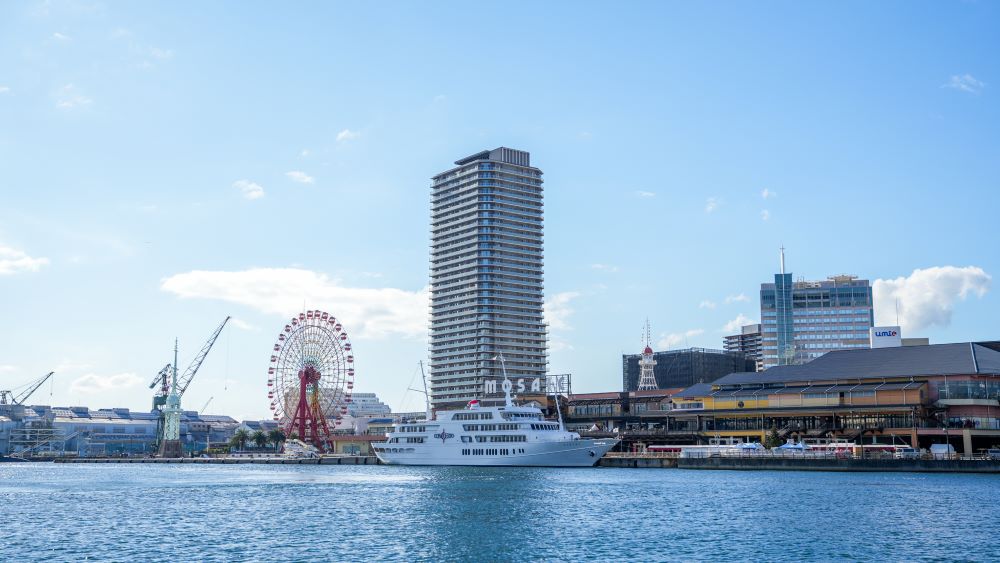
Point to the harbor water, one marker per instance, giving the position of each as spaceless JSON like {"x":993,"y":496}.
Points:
{"x":74,"y":512}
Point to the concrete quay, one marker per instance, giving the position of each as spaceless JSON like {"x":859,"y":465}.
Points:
{"x":833,"y":464}
{"x":330,"y":460}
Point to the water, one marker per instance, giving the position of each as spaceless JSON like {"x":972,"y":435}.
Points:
{"x":61,"y":512}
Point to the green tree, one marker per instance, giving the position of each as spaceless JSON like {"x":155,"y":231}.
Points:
{"x":772,"y":440}
{"x":259,"y":438}
{"x":240,"y":439}
{"x":276,"y":437}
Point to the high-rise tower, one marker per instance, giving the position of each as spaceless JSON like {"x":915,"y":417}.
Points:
{"x":486,"y":277}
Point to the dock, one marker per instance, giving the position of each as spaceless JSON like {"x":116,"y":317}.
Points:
{"x":328,"y":460}
{"x":793,"y":463}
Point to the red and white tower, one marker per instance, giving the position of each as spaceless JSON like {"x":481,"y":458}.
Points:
{"x":647,"y":380}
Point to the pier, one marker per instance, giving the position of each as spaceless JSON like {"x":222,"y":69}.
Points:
{"x":328,"y":460}
{"x":795,"y":463}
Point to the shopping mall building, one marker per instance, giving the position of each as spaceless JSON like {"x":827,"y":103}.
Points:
{"x":918,"y":395}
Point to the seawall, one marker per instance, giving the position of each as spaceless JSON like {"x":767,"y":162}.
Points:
{"x":332,"y":460}
{"x":823,"y":464}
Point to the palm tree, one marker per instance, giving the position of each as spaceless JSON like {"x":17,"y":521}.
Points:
{"x":276,"y":437}
{"x":259,"y":438}
{"x":240,"y":438}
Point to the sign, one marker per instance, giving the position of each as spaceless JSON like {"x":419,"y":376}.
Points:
{"x":885,"y":337}
{"x":520,"y":385}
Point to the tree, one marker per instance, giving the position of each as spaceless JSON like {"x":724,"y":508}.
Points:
{"x":259,"y":438}
{"x":240,"y":438}
{"x":772,"y":440}
{"x":276,"y":437}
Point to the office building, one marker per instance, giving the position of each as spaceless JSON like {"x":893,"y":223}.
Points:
{"x":747,"y":342}
{"x":486,"y":277}
{"x":683,"y":368}
{"x":802,"y":320}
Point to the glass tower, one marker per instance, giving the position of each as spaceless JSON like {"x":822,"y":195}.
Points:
{"x":803,"y":320}
{"x":486,"y":278}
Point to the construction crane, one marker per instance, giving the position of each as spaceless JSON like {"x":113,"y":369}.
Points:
{"x":9,"y":398}
{"x":202,"y":411}
{"x":173,"y":384}
{"x":163,"y":377}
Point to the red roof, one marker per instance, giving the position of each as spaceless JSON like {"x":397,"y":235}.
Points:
{"x":648,"y":350}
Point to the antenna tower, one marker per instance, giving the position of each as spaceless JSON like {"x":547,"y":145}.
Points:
{"x":647,"y":379}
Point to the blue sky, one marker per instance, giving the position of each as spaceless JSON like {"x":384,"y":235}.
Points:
{"x":164,"y":165}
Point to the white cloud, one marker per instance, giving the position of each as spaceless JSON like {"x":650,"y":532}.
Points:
{"x":243,"y":325}
{"x":161,"y":54}
{"x":767,"y":194}
{"x":965,"y":83}
{"x":347,"y":135}
{"x":13,"y":261}
{"x":300,"y":177}
{"x":927,"y":297}
{"x":737,"y":298}
{"x":668,"y":341}
{"x":712,"y":204}
{"x":60,"y":37}
{"x":370,"y":312}
{"x":440,"y":98}
{"x":559,"y":345}
{"x":706,"y":304}
{"x":641,"y":193}
{"x":69,"y":97}
{"x":604,"y":267}
{"x":7,"y":368}
{"x":71,"y":365}
{"x":92,"y":383}
{"x":765,"y":215}
{"x":305,"y":153}
{"x":558,"y":310}
{"x":4,"y":89}
{"x":250,"y":189}
{"x":736,"y":324}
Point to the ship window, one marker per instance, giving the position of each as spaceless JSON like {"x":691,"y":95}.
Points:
{"x":466,"y":439}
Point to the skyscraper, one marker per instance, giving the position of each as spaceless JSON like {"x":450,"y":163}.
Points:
{"x":486,"y":277}
{"x":803,"y":320}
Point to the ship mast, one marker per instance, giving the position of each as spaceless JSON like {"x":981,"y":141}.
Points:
{"x":506,"y":382}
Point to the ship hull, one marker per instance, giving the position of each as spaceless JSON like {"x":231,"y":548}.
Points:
{"x":563,"y":453}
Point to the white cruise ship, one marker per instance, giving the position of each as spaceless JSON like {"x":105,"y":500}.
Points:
{"x":480,"y":435}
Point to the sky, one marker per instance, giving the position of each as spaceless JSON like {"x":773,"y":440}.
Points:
{"x":164,"y":165}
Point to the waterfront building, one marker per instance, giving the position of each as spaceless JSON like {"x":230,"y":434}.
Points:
{"x":803,"y":320}
{"x":486,"y":277}
{"x":912,"y":395}
{"x":747,"y":342}
{"x":683,"y":368}
{"x":44,"y":430}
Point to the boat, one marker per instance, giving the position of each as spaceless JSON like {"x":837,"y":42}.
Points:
{"x":507,"y":435}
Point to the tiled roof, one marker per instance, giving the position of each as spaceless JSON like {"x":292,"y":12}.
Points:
{"x":964,"y":358}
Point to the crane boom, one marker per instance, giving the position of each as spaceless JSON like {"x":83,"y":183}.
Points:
{"x":184,"y":380}
{"x":23,"y":396}
{"x":161,"y":378}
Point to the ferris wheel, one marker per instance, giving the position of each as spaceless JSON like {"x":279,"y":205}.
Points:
{"x":311,"y":377}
